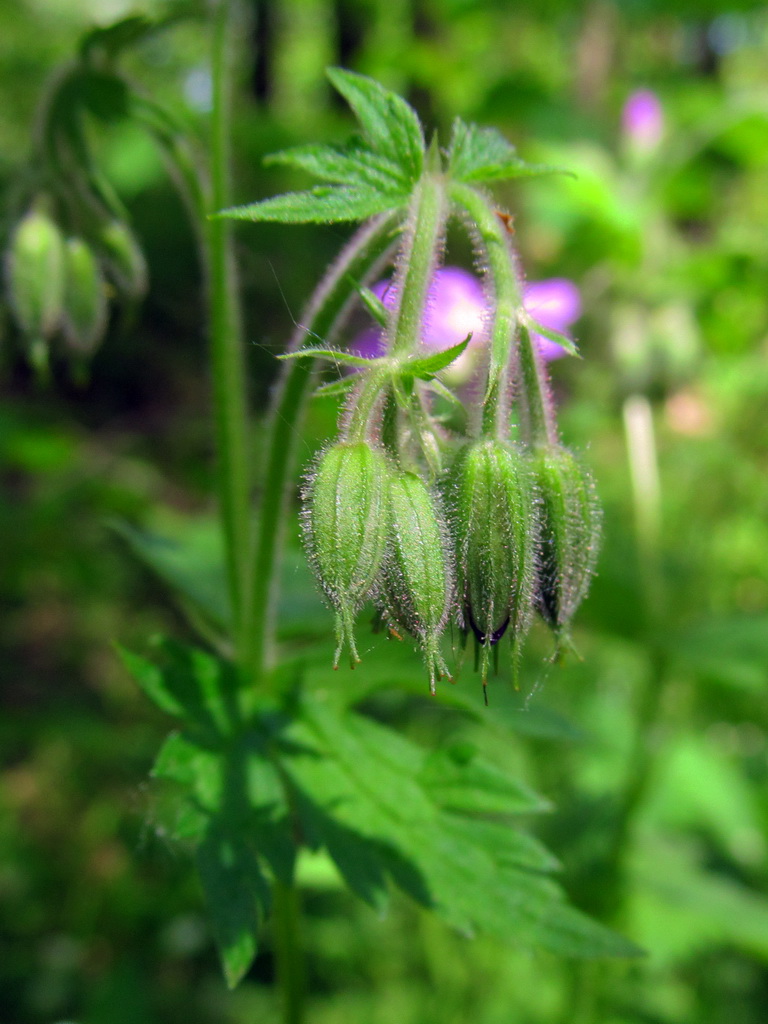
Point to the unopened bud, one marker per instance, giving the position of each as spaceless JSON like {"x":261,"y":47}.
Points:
{"x":417,"y":582}
{"x":346,"y":525}
{"x":569,"y":535}
{"x":85,"y":301}
{"x":124,"y":257}
{"x":35,"y":275}
{"x":494,"y":532}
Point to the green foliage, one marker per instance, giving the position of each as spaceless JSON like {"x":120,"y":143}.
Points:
{"x":442,"y":826}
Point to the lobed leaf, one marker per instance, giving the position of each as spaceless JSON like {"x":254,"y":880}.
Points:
{"x":390,"y":126}
{"x":237,"y":894}
{"x":385,"y":794}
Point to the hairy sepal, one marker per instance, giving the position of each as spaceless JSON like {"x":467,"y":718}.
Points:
{"x":418,"y":578}
{"x":346,"y":525}
{"x":569,"y":535}
{"x":491,"y":496}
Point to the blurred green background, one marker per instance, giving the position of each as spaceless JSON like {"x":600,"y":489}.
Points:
{"x":659,"y":763}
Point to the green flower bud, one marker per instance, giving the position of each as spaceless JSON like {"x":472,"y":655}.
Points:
{"x":35,"y":275}
{"x":569,"y":535}
{"x":123,"y":257}
{"x":85,"y":300}
{"x":417,"y":582}
{"x":346,"y":525}
{"x":494,"y":530}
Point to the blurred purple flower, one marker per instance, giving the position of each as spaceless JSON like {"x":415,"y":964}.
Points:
{"x":643,"y":120}
{"x":554,"y":303}
{"x":456,"y":306}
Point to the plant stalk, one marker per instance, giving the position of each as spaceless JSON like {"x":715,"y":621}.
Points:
{"x":291,"y":981}
{"x":418,"y":257}
{"x":227,"y":356}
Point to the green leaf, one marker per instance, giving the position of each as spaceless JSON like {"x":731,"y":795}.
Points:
{"x":461,"y":781}
{"x":346,"y":165}
{"x":335,"y":388}
{"x":189,"y":684}
{"x":379,"y":787}
{"x":425,"y":367}
{"x":390,"y":126}
{"x":552,"y":335}
{"x":334,"y":354}
{"x":237,"y":895}
{"x":321,"y":205}
{"x":194,"y":568}
{"x":483,"y":154}
{"x":375,"y":306}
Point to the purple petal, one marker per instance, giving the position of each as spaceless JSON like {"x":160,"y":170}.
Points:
{"x":456,"y":307}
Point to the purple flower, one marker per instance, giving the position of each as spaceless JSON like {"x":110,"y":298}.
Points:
{"x":643,"y":120}
{"x":554,"y":303}
{"x":456,"y":307}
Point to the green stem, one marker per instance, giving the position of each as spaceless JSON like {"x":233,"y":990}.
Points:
{"x":508,"y":302}
{"x":288,"y":952}
{"x":418,"y":257}
{"x":367,"y":249}
{"x":228,"y":363}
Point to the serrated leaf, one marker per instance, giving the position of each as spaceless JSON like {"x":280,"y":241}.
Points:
{"x":425,"y":367}
{"x":551,"y":335}
{"x":390,"y":125}
{"x":321,"y":205}
{"x":237,"y":895}
{"x":480,"y":154}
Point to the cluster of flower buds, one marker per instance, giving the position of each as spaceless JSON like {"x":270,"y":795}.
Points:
{"x":477,"y":521}
{"x":58,"y":280}
{"x":503,"y":529}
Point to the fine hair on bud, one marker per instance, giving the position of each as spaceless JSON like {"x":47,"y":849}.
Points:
{"x":417,"y":583}
{"x":569,"y":534}
{"x":491,"y":498}
{"x":346,"y":525}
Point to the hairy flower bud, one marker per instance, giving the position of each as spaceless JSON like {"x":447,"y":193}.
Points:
{"x":417,"y":582}
{"x":346,"y":525}
{"x":35,"y":274}
{"x":569,"y":535}
{"x":123,"y":257}
{"x":85,"y":302}
{"x":494,"y":532}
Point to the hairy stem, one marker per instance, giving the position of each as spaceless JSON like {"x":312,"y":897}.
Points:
{"x":418,"y":256}
{"x":508,"y":304}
